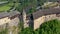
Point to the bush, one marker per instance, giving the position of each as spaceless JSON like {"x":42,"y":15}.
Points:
{"x":50,"y":27}
{"x":27,"y":31}
{"x":4,"y":31}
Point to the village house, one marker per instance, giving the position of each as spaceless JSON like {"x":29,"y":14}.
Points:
{"x":9,"y":20}
{"x":42,"y":16}
{"x":35,"y":19}
{"x":6,"y":17}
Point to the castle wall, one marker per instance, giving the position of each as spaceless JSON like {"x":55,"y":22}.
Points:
{"x":39,"y":21}
{"x":58,"y":16}
{"x":4,"y":20}
{"x":14,"y":22}
{"x":11,"y":24}
{"x":50,"y":17}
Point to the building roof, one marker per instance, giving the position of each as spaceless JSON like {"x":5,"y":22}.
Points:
{"x":8,"y":14}
{"x":46,"y":12}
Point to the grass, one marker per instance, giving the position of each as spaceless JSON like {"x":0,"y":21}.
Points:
{"x":6,"y":7}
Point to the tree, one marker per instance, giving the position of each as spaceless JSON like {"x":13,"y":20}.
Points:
{"x":49,"y":27}
{"x":40,"y":2}
{"x":27,"y":31}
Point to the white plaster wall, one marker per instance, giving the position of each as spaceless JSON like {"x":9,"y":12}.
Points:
{"x":50,"y":17}
{"x":13,"y":25}
{"x":39,"y":21}
{"x":4,"y":20}
{"x":58,"y":16}
{"x":14,"y":22}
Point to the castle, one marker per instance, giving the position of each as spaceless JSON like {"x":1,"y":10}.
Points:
{"x":37,"y":18}
{"x":34,"y":20}
{"x":9,"y":20}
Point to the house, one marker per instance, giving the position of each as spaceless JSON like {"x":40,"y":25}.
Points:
{"x":9,"y":20}
{"x":37,"y":18}
{"x":6,"y":17}
{"x":44,"y":15}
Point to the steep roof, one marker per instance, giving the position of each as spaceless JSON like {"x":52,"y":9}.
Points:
{"x":8,"y":14}
{"x":46,"y":12}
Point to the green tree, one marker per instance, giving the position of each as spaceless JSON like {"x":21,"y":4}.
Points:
{"x":49,"y":27}
{"x":27,"y":31}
